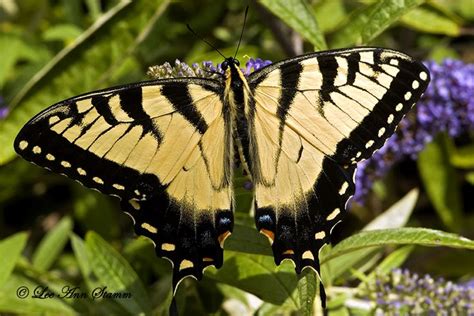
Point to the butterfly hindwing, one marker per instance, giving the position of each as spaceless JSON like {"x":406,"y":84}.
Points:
{"x":163,"y":147}
{"x":312,"y":118}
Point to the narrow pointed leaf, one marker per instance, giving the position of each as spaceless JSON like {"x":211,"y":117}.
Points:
{"x":400,"y":236}
{"x":52,"y":245}
{"x":367,"y":23}
{"x":440,"y":181}
{"x":430,"y":21}
{"x":10,"y":250}
{"x":16,"y":286}
{"x":116,"y":274}
{"x":299,"y":16}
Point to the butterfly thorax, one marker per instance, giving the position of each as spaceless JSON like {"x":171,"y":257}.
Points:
{"x":236,"y":98}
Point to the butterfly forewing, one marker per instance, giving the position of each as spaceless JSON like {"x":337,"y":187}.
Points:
{"x":162,"y":147}
{"x":312,"y":118}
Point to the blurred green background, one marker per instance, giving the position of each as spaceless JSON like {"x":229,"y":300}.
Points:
{"x":55,"y":232}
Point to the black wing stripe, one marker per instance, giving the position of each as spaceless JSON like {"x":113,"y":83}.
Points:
{"x":328,"y":66}
{"x":178,"y":95}
{"x":131,"y":101}
{"x":353,"y":67}
{"x":101,"y":104}
{"x":289,"y":78}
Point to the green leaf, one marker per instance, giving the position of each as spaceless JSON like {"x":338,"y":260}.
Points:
{"x":463,"y":157}
{"x":92,"y":283}
{"x":10,"y":303}
{"x":83,"y":261}
{"x":93,"y":7}
{"x":299,"y":16}
{"x":470,"y":178}
{"x":11,"y":249}
{"x":440,"y":181}
{"x":307,"y":290}
{"x":86,"y":204}
{"x":430,"y":21}
{"x":395,"y":217}
{"x":87,"y":64}
{"x":62,"y":32}
{"x":465,"y":8}
{"x":247,"y":269}
{"x":116,"y":275}
{"x":393,"y":260}
{"x":367,"y":23}
{"x":10,"y":53}
{"x":248,"y":240}
{"x":400,"y":236}
{"x":329,"y":14}
{"x":52,"y":245}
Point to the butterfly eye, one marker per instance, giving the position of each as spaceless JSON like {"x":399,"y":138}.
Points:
{"x":224,"y":65}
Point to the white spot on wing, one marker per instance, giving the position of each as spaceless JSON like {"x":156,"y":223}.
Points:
{"x":381,"y":131}
{"x":333,"y":214}
{"x":81,"y":171}
{"x":399,"y":107}
{"x":415,"y":84}
{"x":50,"y":157}
{"x":307,"y":255}
{"x":390,"y":119}
{"x":369,"y":144}
{"x":65,"y":164}
{"x":168,"y":247}
{"x":394,"y":62}
{"x":134,"y":204}
{"x":118,"y":186}
{"x":150,"y":228}
{"x":23,"y":144}
{"x":320,"y":235}
{"x":185,"y":264}
{"x":98,"y":180}
{"x":423,"y":75}
{"x":37,"y":150}
{"x":407,"y":95}
{"x":344,"y":187}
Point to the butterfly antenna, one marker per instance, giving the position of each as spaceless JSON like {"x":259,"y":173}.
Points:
{"x":242,"y":32}
{"x":202,"y":39}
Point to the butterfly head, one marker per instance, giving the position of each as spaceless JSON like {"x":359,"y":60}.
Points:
{"x":229,"y":62}
{"x":231,"y":67}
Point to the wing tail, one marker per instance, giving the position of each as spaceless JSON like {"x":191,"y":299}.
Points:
{"x":191,"y":240}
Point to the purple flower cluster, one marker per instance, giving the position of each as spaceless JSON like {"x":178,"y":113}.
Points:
{"x":447,"y":106}
{"x":206,"y":69}
{"x":255,"y":64}
{"x":401,"y":292}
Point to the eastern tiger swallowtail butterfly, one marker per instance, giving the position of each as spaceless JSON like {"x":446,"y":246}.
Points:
{"x":166,"y":148}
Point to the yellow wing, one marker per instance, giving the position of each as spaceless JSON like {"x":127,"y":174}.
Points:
{"x":163,"y":147}
{"x":311,"y":119}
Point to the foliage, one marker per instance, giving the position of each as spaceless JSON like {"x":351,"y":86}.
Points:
{"x":76,"y":247}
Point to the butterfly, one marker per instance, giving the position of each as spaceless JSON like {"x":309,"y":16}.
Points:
{"x":166,"y":148}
